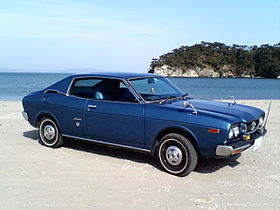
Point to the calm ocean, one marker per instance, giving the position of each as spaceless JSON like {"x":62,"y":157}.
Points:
{"x":13,"y":86}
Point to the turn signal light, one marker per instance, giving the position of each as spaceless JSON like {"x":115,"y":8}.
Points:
{"x":213,"y":130}
{"x":236,"y":151}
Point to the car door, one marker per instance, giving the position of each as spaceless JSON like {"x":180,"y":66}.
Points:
{"x":114,"y":115}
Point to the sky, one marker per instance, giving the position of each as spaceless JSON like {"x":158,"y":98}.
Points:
{"x":92,"y":35}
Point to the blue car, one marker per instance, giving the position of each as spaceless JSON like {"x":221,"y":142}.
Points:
{"x":143,"y":112}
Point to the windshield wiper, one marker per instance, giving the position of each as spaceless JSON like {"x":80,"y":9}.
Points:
{"x":168,"y":98}
{"x":184,"y":96}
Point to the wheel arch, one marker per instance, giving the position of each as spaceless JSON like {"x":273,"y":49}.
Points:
{"x":45,"y":114}
{"x":179,"y":130}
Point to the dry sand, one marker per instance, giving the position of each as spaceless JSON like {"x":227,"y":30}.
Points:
{"x":87,"y":176}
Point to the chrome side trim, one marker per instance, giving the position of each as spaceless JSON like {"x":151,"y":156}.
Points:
{"x":133,"y":91}
{"x":147,"y":76}
{"x":223,"y":150}
{"x":106,"y":143}
{"x":54,"y":91}
{"x":25,"y":115}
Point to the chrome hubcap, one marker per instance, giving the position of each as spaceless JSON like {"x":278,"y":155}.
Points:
{"x":49,"y":132}
{"x":174,"y":155}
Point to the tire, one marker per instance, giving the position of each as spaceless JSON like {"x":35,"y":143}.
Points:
{"x":49,"y":133}
{"x":176,"y":154}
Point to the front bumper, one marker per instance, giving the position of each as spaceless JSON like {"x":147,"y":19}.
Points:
{"x":25,"y":115}
{"x":237,"y":147}
{"x":223,"y":150}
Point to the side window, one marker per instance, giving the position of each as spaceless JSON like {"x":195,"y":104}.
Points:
{"x":102,"y":89}
{"x":83,"y":87}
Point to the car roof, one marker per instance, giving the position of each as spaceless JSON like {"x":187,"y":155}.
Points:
{"x":63,"y":84}
{"x":116,"y":75}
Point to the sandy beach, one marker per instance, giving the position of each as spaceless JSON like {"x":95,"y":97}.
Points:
{"x":82,"y":175}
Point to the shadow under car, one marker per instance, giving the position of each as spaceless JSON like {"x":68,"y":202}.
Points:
{"x":204,"y":165}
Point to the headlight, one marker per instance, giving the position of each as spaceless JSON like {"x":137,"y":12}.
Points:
{"x":230,"y":135}
{"x":236,"y":130}
{"x":261,"y":121}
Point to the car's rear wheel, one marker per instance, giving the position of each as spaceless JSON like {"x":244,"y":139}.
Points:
{"x":49,"y":133}
{"x":176,"y":154}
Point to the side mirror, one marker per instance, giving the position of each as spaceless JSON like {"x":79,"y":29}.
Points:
{"x":186,"y":104}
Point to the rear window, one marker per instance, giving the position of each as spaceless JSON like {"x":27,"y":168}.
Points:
{"x":86,"y":82}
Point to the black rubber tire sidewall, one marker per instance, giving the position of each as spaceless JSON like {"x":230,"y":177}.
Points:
{"x":188,"y":162}
{"x":58,"y":138}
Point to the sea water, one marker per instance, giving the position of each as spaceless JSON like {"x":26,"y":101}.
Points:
{"x":222,"y":88}
{"x":14,"y":86}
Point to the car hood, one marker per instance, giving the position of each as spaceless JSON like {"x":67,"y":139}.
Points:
{"x":233,"y":112}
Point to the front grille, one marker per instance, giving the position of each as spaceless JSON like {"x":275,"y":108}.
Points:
{"x":253,"y":127}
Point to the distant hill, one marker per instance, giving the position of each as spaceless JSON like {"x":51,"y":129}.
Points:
{"x":219,"y":60}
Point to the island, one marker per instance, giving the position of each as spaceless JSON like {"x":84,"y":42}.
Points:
{"x":219,"y":60}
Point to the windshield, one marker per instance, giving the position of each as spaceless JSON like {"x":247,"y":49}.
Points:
{"x":155,"y":88}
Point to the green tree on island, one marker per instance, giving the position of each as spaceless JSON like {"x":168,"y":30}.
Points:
{"x":232,"y":61}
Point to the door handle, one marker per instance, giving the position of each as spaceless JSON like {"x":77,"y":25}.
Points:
{"x":91,"y":107}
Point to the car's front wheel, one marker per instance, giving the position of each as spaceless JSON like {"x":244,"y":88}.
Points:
{"x":49,"y":133}
{"x":176,"y":154}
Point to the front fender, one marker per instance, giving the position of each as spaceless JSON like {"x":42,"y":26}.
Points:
{"x":162,"y":128}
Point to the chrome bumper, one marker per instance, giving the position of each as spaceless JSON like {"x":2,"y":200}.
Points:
{"x":25,"y":115}
{"x":223,"y":150}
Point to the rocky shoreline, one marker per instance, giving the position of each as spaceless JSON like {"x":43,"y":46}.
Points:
{"x":207,"y":72}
